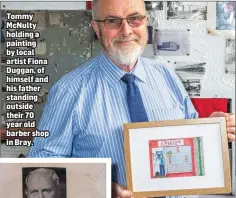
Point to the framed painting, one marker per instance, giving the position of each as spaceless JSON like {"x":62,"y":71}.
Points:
{"x":177,"y":157}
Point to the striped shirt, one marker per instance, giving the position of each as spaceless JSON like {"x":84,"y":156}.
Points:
{"x":87,"y":107}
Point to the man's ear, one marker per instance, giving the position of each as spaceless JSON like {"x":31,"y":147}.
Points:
{"x":96,"y":28}
{"x":26,"y":192}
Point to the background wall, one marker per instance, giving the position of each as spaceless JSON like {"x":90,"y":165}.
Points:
{"x":204,"y":47}
{"x":68,"y":41}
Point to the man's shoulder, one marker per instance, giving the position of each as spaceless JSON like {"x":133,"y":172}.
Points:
{"x":155,"y":65}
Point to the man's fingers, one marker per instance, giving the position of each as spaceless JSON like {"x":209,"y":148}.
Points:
{"x":126,"y":194}
{"x":120,"y":192}
{"x":115,"y":196}
{"x":231,"y":130}
{"x":230,"y":123}
{"x":230,"y":119}
{"x":218,"y":114}
{"x":231,"y":137}
{"x":116,"y":188}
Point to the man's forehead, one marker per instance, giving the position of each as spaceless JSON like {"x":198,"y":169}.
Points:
{"x":38,"y":178}
{"x":120,"y":8}
{"x":38,"y":174}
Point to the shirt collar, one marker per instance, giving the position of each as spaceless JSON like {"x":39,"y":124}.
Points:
{"x":139,"y":71}
{"x":114,"y":74}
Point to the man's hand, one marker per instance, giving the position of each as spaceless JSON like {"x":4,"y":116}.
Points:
{"x":119,"y":191}
{"x":230,"y":123}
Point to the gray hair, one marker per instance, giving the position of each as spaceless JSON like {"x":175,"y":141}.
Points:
{"x":94,"y":8}
{"x":49,"y":172}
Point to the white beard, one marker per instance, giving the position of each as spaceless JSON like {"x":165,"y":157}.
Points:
{"x":126,"y":56}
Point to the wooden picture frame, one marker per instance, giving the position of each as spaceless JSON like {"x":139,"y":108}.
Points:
{"x":233,"y":168}
{"x":193,"y":157}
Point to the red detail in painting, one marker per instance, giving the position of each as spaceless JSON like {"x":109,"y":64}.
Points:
{"x":172,"y":158}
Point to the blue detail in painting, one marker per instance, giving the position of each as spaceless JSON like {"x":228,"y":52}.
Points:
{"x":168,"y":46}
{"x":162,"y":165}
{"x":161,"y":158}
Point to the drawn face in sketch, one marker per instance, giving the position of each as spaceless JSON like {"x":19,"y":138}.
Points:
{"x":41,"y":185}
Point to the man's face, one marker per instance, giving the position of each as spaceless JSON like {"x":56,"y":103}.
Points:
{"x":126,"y":43}
{"x":40,"y":187}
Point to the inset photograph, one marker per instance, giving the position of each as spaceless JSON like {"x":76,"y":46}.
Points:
{"x":55,"y":178}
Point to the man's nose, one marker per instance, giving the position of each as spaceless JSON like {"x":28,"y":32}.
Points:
{"x":41,"y":195}
{"x":125,"y":28}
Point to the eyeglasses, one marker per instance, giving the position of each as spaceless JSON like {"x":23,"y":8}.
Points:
{"x":115,"y":23}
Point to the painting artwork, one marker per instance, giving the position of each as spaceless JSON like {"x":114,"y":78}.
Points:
{"x":187,"y":69}
{"x":153,"y":5}
{"x":192,"y":86}
{"x":191,"y":74}
{"x":230,"y":56}
{"x":225,"y":15}
{"x":171,"y":42}
{"x":186,"y":10}
{"x":180,"y":157}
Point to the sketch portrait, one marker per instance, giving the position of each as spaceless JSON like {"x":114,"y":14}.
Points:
{"x":44,"y":182}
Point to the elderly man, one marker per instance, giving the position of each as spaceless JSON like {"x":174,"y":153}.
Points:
{"x":42,"y":183}
{"x":86,"y":109}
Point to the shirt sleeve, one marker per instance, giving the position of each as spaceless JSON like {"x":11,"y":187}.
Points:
{"x":180,"y":92}
{"x":57,"y":118}
{"x":190,"y":112}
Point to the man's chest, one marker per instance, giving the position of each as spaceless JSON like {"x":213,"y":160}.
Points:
{"x":106,"y":110}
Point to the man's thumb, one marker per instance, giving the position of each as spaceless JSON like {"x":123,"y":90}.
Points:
{"x":218,"y":114}
{"x":119,"y":191}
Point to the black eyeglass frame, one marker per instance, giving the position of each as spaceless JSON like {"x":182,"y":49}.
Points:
{"x":121,"y":20}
